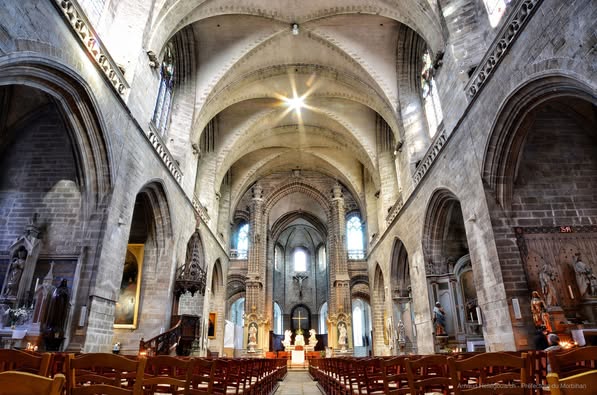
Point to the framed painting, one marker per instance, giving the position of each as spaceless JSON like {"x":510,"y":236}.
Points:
{"x":211,"y":326}
{"x":127,"y":307}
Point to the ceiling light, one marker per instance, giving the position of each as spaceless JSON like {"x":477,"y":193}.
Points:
{"x":295,"y":29}
{"x":295,"y":103}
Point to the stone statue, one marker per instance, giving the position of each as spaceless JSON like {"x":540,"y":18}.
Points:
{"x":439,"y":320}
{"x":539,"y":310}
{"x":287,"y":338}
{"x":546,"y":278}
{"x":585,"y":279}
{"x":312,"y":339}
{"x":252,"y":334}
{"x":343,"y":336}
{"x":299,"y":339}
{"x":14,"y":273}
{"x":388,"y":331}
{"x":401,"y":333}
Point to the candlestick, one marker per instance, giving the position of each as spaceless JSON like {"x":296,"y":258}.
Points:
{"x":36,"y":284}
{"x":571,"y":293}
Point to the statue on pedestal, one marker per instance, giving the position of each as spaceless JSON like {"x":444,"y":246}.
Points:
{"x":287,"y":338}
{"x":539,"y":310}
{"x":312,"y":339}
{"x":252,"y":336}
{"x":343,"y":336}
{"x":585,"y":279}
{"x":15,"y":272}
{"x":546,"y":278}
{"x":439,"y":320}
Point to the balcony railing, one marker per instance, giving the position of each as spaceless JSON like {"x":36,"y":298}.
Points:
{"x":238,"y":254}
{"x":356,"y":254}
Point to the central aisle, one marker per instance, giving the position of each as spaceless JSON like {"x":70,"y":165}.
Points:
{"x":298,"y":383}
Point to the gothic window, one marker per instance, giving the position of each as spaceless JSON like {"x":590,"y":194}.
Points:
{"x":357,"y":314}
{"x":495,"y":10}
{"x":242,"y":241}
{"x":431,"y":104}
{"x":237,"y":311}
{"x":277,"y":318}
{"x":323,"y":318}
{"x":163,"y":104}
{"x":354,"y":238}
{"x":300,"y":260}
{"x":321,"y":258}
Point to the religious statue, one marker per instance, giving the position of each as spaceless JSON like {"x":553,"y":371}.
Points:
{"x":14,"y":273}
{"x":299,"y":339}
{"x":343,"y":335}
{"x":287,"y":338}
{"x":546,"y":278}
{"x":539,"y":310}
{"x":585,"y":279}
{"x":252,"y":336}
{"x":388,"y":331}
{"x":300,"y":278}
{"x":312,"y":339}
{"x":401,"y":334}
{"x":439,"y":320}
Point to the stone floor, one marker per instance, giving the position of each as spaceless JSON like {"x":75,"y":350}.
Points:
{"x":298,"y":383}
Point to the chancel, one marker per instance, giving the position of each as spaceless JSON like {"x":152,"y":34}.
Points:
{"x":350,"y":178}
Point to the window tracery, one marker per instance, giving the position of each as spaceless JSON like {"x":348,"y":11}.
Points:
{"x":431,"y":103}
{"x":163,"y":105}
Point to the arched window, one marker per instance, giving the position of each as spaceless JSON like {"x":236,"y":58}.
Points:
{"x":354,"y":238}
{"x":277,"y":318}
{"x":163,"y":104}
{"x":433,"y":109}
{"x":323,"y":318}
{"x":300,"y":260}
{"x":237,"y":312}
{"x":278,"y":254}
{"x":495,"y":10}
{"x":242,"y":241}
{"x":357,"y":314}
{"x":321,"y":258}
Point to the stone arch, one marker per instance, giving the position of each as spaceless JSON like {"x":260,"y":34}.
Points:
{"x":85,"y":125}
{"x":510,"y":129}
{"x":283,"y":222}
{"x":443,"y":219}
{"x":294,"y":187}
{"x":217,"y":278}
{"x":359,"y":288}
{"x":378,"y":301}
{"x":399,"y":270}
{"x":157,"y":198}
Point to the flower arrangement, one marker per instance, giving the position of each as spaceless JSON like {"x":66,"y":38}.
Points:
{"x":18,"y":315}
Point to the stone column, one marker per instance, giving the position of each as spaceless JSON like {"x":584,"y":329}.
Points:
{"x":340,"y":303}
{"x":255,"y":309}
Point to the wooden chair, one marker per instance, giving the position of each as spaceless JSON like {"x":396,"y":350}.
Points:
{"x":578,"y":384}
{"x":166,"y":374}
{"x":490,"y":373}
{"x":202,"y":378}
{"x":395,"y":378}
{"x":25,"y":362}
{"x":568,"y":363}
{"x":23,"y":383}
{"x":428,"y":374}
{"x":107,"y":374}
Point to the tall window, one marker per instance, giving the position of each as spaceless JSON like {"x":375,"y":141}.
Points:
{"x":242,"y":241}
{"x":354,"y":238}
{"x":300,"y":260}
{"x":277,"y":318}
{"x":321,"y":258}
{"x":433,"y":109}
{"x":495,"y":10}
{"x":163,"y":104}
{"x":237,"y":312}
{"x":323,"y":318}
{"x":357,"y":317}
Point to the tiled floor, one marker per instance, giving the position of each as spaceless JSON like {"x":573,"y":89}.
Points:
{"x":298,"y":383}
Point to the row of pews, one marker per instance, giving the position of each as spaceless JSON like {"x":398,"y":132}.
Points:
{"x":517,"y":373}
{"x":103,"y":373}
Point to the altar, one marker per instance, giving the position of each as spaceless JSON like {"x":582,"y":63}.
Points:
{"x":297,"y":357}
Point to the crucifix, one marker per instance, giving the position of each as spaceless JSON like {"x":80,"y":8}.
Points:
{"x":300,"y":278}
{"x":299,"y":319}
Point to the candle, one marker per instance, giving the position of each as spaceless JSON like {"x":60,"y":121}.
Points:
{"x":36,"y":284}
{"x":472,"y":317}
{"x":571,"y":293}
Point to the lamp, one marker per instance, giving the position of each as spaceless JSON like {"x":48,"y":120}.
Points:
{"x":295,"y":29}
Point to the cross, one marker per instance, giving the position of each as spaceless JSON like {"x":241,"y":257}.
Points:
{"x":300,"y":279}
{"x":299,"y":318}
